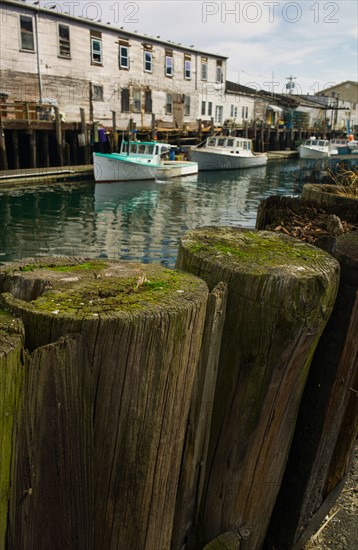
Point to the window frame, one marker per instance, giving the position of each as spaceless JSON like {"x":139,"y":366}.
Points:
{"x":204,"y":65}
{"x":120,"y":57}
{"x":148,"y":102}
{"x":95,"y":52}
{"x":169,"y":103}
{"x":168,"y":66}
{"x":125,"y":100}
{"x":95,"y":95}
{"x":219,"y":112}
{"x":59,"y":38}
{"x":219,"y":74}
{"x":149,"y":53}
{"x":25,"y":33}
{"x":137,"y":101}
{"x":187,"y":67}
{"x":186,"y":105}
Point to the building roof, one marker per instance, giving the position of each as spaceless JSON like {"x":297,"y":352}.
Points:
{"x":239,"y":88}
{"x":108,"y":27}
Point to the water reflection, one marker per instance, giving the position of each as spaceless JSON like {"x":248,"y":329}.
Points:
{"x":134,"y":220}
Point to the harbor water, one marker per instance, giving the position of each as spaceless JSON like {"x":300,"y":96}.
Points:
{"x":140,"y":221}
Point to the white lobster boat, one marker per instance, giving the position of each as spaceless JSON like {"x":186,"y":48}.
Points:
{"x":140,"y":160}
{"x":226,"y":153}
{"x":314,"y":148}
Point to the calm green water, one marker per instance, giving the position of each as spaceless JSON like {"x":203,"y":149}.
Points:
{"x":139,"y":220}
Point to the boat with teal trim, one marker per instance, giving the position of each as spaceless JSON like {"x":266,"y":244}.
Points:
{"x":141,"y":160}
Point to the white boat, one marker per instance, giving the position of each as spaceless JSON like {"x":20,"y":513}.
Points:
{"x":226,"y":153}
{"x":140,"y":160}
{"x":314,"y":148}
{"x":343,"y":146}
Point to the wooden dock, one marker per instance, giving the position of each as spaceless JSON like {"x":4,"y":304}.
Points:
{"x":45,"y":176}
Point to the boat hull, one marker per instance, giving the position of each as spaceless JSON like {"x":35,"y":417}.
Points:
{"x":309,"y":153}
{"x":208,"y":160}
{"x":109,"y":168}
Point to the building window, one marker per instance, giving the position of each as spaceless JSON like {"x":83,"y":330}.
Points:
{"x":218,"y":114}
{"x":187,"y":67}
{"x":169,"y":105}
{"x":219,"y":72}
{"x":148,"y":107}
{"x":210,"y":108}
{"x":245,"y":112}
{"x":148,"y":62}
{"x":97,"y":92}
{"x":123,"y":57}
{"x":204,"y":68}
{"x":64,"y":48}
{"x":27,"y":33}
{"x":187,"y":105}
{"x":203,"y":107}
{"x":233,"y":111}
{"x":125,"y":100}
{"x":96,"y":48}
{"x":169,"y":65}
{"x":137,"y":101}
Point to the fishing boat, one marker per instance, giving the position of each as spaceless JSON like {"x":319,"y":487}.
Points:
{"x":226,"y":153}
{"x":314,"y":148}
{"x":343,"y":146}
{"x":140,"y":160}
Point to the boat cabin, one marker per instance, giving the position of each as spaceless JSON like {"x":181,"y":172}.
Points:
{"x":313,"y":142}
{"x":232,"y":143}
{"x":144,"y":149}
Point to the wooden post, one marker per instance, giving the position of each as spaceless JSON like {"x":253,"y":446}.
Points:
{"x":15,"y":146}
{"x":11,"y":379}
{"x":280,"y":295}
{"x":343,"y":205}
{"x":262,"y":137}
{"x":95,"y":132}
{"x":45,"y":148}
{"x":74,"y":143}
{"x":192,"y":472}
{"x":326,"y":427}
{"x":84,"y":137}
{"x":153,"y":127}
{"x":33,"y":148}
{"x":59,"y":142}
{"x":106,"y":400}
{"x":3,"y":157}
{"x":114,"y":129}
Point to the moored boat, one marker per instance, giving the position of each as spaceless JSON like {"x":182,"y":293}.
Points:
{"x":314,"y":148}
{"x":226,"y":153}
{"x":140,"y":160}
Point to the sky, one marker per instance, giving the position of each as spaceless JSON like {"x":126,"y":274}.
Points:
{"x":267,"y":41}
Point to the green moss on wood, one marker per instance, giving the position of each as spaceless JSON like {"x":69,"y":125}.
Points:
{"x":251,"y":251}
{"x":92,"y":288}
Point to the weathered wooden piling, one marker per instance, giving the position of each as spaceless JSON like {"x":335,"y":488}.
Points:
{"x":334,"y":197}
{"x":328,"y":419}
{"x":11,"y":378}
{"x":280,"y":295}
{"x":113,"y":349}
{"x":198,"y":430}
